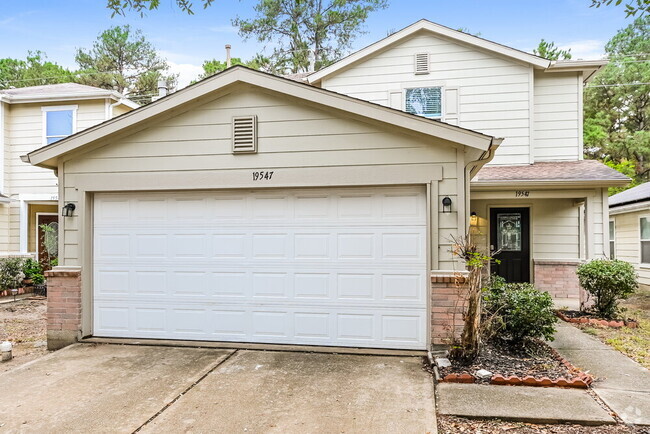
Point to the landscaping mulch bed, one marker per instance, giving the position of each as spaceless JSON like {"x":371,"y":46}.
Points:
{"x":459,"y":425}
{"x":536,"y":364}
{"x":585,"y":317}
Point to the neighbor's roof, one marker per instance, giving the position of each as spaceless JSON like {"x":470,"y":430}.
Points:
{"x":61,"y":92}
{"x":549,"y":173}
{"x":300,"y":77}
{"x":463,"y":38}
{"x":640,"y":193}
{"x":46,"y":156}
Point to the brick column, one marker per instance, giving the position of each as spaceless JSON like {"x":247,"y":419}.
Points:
{"x":448,"y":293}
{"x":63,"y":306}
{"x":558,"y":278}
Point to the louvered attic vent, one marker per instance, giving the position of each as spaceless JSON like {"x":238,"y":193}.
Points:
{"x":244,"y":134}
{"x":422,"y":63}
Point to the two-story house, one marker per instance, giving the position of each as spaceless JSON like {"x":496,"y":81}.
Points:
{"x":538,"y":203}
{"x":253,"y":208}
{"x":30,"y":118}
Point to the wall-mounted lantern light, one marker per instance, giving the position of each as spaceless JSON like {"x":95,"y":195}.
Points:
{"x":473,"y":219}
{"x":68,"y":209}
{"x":446,"y":204}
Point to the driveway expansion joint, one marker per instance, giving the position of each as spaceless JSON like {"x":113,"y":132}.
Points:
{"x":180,"y":395}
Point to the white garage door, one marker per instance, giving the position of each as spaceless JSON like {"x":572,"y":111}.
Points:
{"x":343,"y":267}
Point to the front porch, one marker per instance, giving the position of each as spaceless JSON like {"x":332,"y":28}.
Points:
{"x":541,"y":235}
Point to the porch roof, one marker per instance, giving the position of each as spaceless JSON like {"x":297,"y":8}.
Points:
{"x":550,"y":173}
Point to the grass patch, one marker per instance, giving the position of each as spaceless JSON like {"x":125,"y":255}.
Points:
{"x":634,"y":343}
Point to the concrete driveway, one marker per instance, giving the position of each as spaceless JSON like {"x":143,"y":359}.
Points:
{"x":116,"y":388}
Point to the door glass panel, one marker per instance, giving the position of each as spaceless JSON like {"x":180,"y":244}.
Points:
{"x":509,"y":232}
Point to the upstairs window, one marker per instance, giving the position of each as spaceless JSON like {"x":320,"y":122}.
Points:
{"x":424,"y":101}
{"x":645,"y":240}
{"x":58,"y":122}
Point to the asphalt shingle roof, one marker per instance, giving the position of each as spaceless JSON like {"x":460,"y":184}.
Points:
{"x":581,"y":170}
{"x":55,"y":89}
{"x":639,"y":193}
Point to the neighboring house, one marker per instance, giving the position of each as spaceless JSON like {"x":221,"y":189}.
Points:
{"x":30,"y":118}
{"x":629,"y":229}
{"x":253,"y":208}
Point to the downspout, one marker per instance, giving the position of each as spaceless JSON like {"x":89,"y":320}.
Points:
{"x":109,"y":114}
{"x":473,"y":167}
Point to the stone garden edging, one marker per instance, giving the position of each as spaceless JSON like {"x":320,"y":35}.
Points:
{"x":593,"y":321}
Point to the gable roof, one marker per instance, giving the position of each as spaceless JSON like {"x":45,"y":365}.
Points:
{"x":61,"y":92}
{"x":640,"y":193}
{"x":47,"y":155}
{"x":447,"y":33}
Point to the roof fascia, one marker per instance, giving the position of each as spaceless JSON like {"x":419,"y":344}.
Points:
{"x":522,"y":183}
{"x":629,"y":207}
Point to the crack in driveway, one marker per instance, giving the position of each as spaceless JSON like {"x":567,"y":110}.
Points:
{"x":180,"y":395}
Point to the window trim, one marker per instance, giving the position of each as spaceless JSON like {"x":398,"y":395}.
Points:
{"x":424,"y":86}
{"x":641,"y":240}
{"x":58,"y":108}
{"x":612,"y":241}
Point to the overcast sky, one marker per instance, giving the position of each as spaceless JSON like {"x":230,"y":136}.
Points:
{"x":58,"y":27}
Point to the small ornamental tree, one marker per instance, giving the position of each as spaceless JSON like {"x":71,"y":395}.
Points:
{"x":609,"y":282}
{"x":467,"y":349}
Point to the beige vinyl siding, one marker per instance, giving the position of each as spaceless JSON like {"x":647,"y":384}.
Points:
{"x":493,"y":92}
{"x":555,"y":230}
{"x":120,"y":110}
{"x":628,"y":241}
{"x":24,"y":133}
{"x":557,"y":116}
{"x":303,"y":145}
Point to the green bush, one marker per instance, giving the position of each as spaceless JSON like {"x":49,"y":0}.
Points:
{"x":33,"y":270}
{"x":517,"y":311}
{"x":11,"y":273}
{"x":609,"y":282}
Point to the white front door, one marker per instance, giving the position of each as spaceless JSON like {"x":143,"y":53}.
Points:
{"x":336,"y":266}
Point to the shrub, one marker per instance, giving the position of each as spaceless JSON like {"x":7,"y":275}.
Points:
{"x":11,"y":273}
{"x":609,"y":282}
{"x":518,"y":311}
{"x":33,"y":270}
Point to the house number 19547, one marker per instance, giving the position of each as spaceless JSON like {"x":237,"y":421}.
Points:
{"x":262,"y":175}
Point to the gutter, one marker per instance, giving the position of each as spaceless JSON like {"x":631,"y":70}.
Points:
{"x":629,"y":207}
{"x":485,"y":158}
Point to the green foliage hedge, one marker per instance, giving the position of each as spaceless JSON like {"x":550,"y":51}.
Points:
{"x":609,"y":282}
{"x":517,"y":312}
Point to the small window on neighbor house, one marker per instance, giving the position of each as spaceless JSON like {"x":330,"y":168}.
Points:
{"x":612,"y":238}
{"x":58,"y":123}
{"x":424,"y":101}
{"x":645,"y":240}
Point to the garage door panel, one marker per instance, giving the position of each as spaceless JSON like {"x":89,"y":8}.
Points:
{"x":382,"y":288}
{"x":326,"y":267}
{"x":281,"y":324}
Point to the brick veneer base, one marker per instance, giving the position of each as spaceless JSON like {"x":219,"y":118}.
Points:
{"x":558,"y":278}
{"x":447,"y":307}
{"x":63,"y":307}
